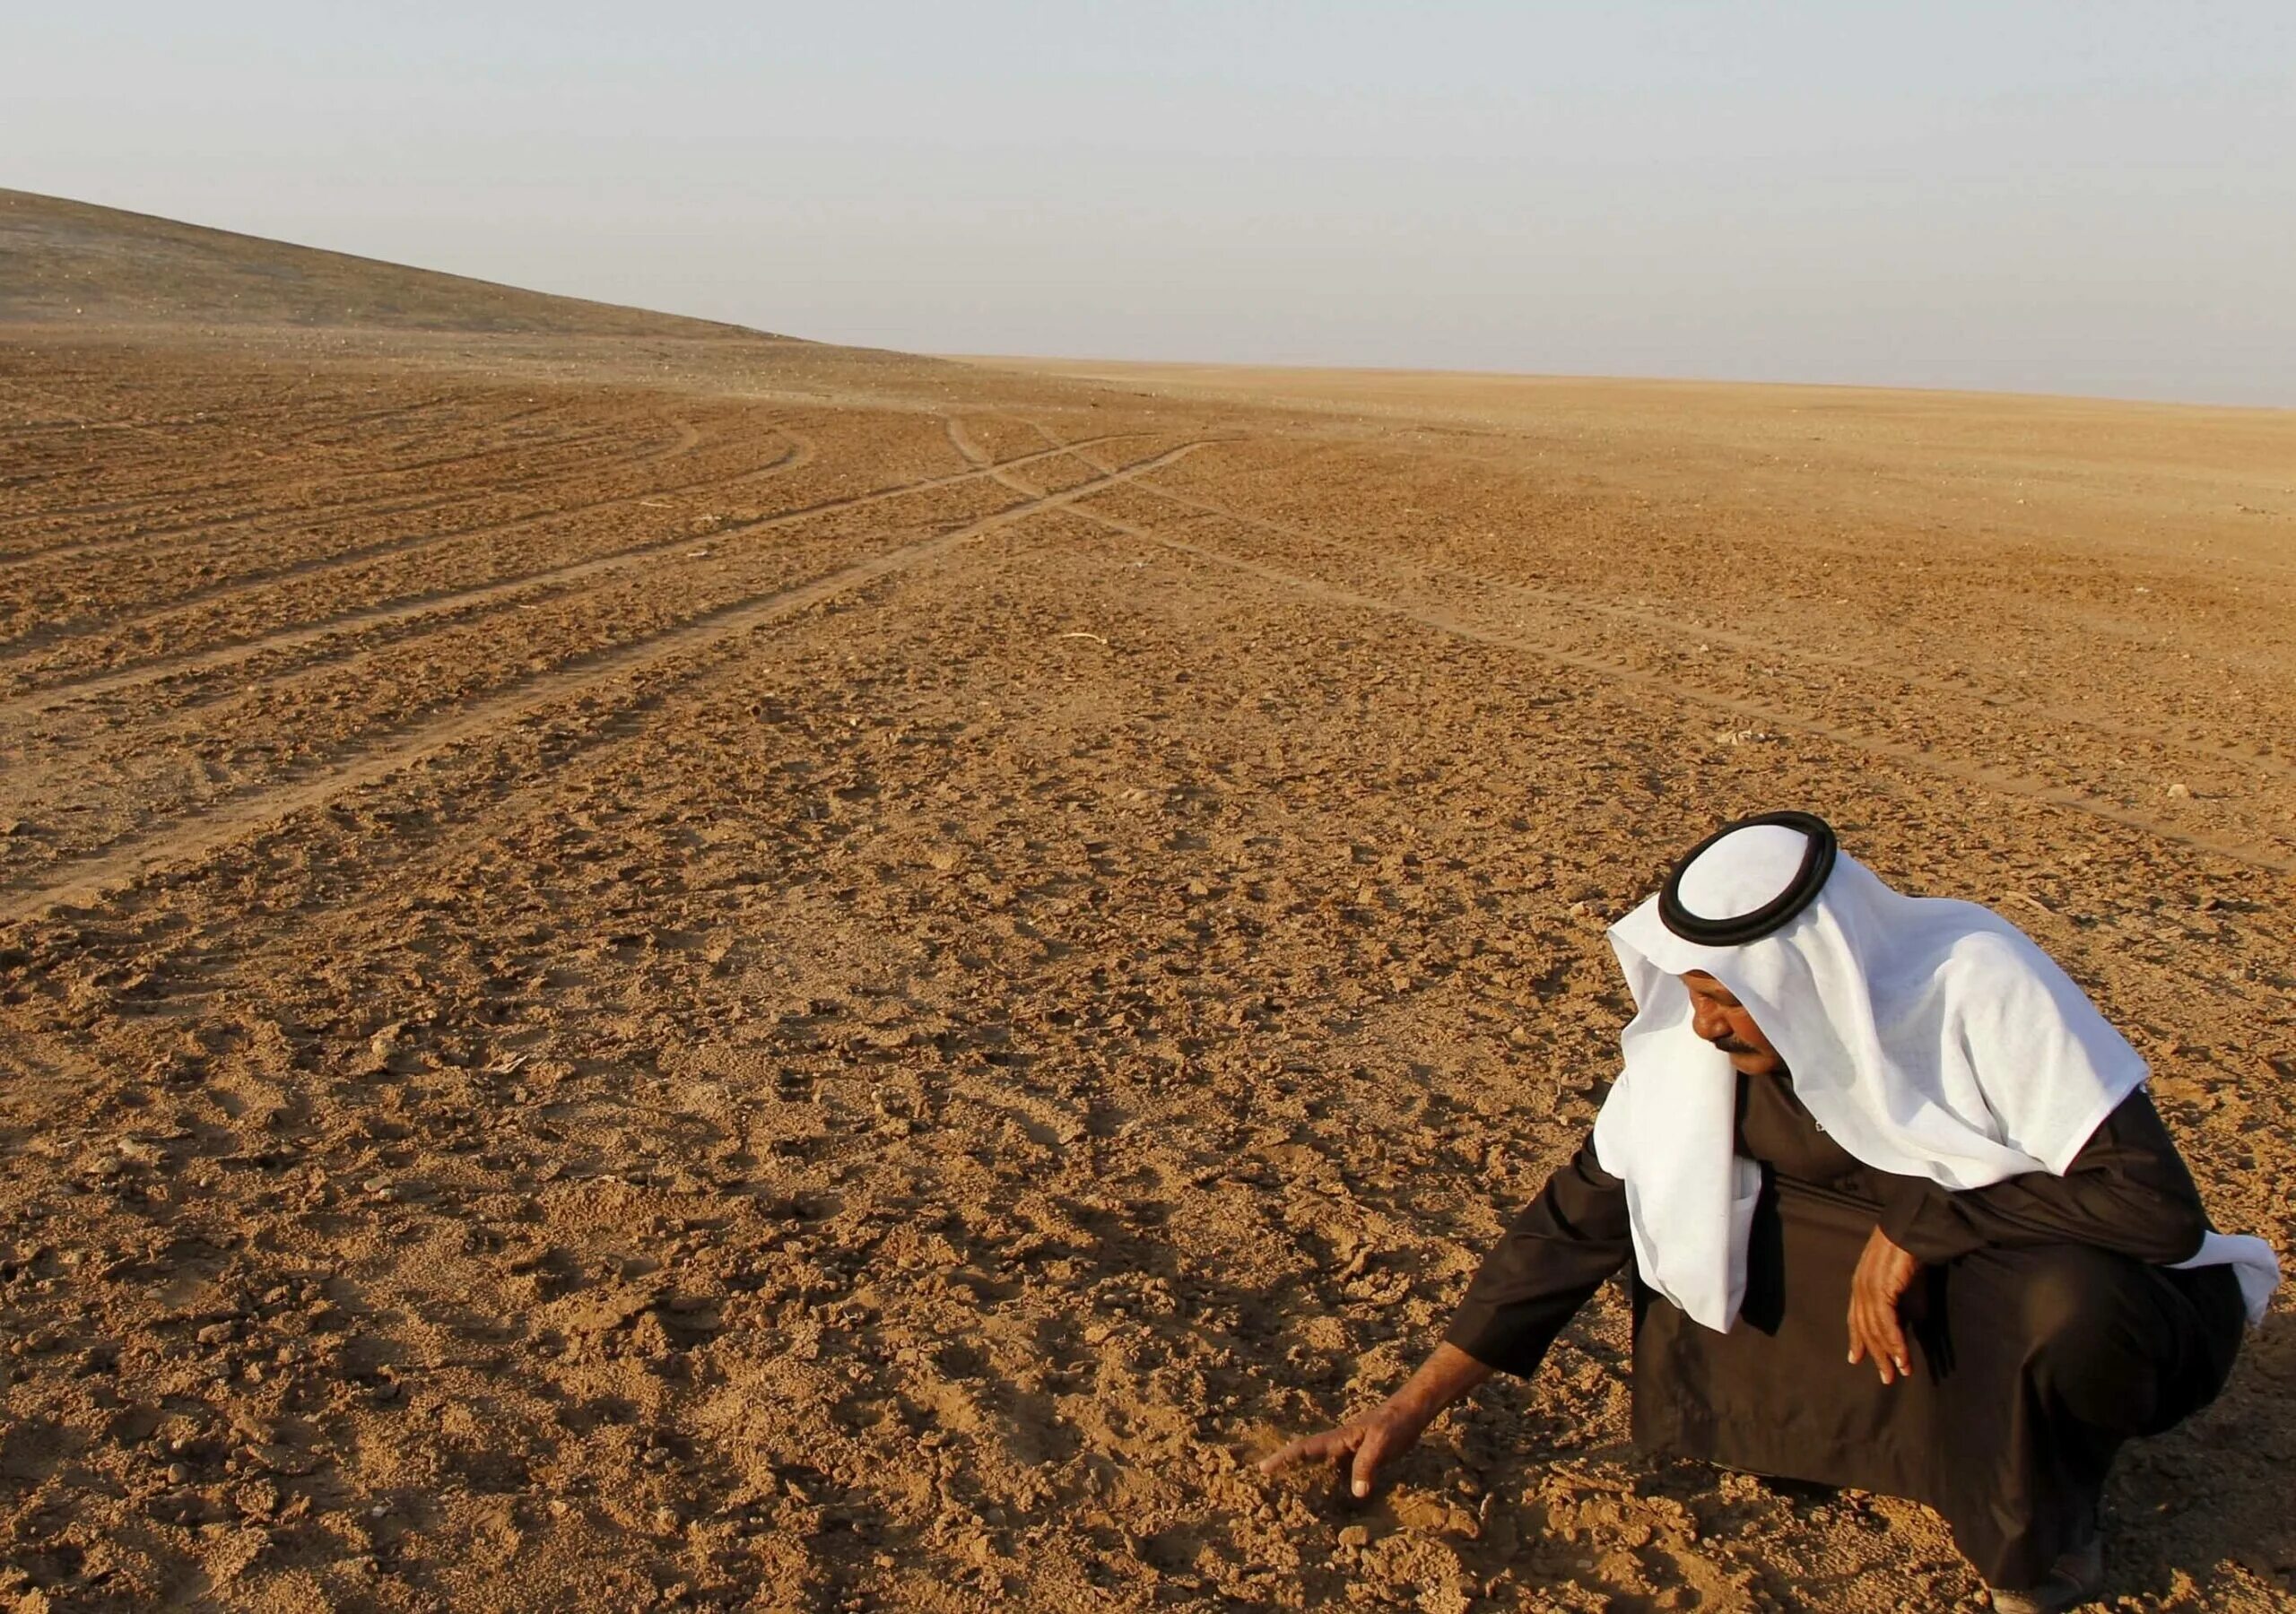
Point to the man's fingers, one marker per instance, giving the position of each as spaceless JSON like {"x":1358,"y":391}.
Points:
{"x":1373,"y":1440}
{"x":1884,"y":1273}
{"x":1280,"y":1459}
{"x":1877,"y":1343}
{"x":1891,"y":1337}
{"x":1368,"y":1456}
{"x":1874,"y":1331}
{"x":1326,"y":1447}
{"x":1865,"y":1339}
{"x":1302,"y":1450}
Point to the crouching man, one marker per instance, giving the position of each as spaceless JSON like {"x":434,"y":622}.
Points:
{"x":1899,"y":1213}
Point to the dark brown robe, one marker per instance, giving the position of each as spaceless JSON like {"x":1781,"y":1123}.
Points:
{"x":2044,"y":1330}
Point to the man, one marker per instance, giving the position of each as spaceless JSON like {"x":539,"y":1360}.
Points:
{"x":1899,"y":1213}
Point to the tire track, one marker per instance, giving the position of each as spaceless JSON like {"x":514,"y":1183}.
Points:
{"x":1613,"y":672}
{"x":1766,"y":647}
{"x":197,"y":662}
{"x":451,"y":603}
{"x":251,"y":477}
{"x":284,"y":403}
{"x":684,"y":441}
{"x":973,"y":454}
{"x":68,"y":420}
{"x":1769,"y":649}
{"x":39,"y":640}
{"x":253,"y":424}
{"x":90,"y":879}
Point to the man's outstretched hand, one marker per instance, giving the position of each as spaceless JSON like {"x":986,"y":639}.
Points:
{"x":1367,"y":1444}
{"x":1884,"y":1273}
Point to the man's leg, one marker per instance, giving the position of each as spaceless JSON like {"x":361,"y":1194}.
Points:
{"x":2057,"y":1353}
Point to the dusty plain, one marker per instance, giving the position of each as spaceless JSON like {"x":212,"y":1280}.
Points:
{"x":643,"y":965}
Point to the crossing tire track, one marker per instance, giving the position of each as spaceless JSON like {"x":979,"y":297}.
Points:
{"x":243,"y":478}
{"x":85,"y":881}
{"x":453,"y":602}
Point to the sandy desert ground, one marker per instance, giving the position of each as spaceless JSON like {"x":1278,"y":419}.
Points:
{"x":643,"y":965}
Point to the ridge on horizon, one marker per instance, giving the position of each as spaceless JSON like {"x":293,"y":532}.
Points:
{"x":62,"y":259}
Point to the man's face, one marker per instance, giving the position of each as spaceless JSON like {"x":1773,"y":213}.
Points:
{"x":1718,"y":1016}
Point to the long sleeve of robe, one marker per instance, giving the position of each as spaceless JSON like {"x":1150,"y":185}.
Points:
{"x":2051,"y":1328}
{"x":2127,"y":1190}
{"x":1550,"y":1263}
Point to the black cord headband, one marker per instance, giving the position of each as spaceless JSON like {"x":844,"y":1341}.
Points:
{"x":1817,"y":864}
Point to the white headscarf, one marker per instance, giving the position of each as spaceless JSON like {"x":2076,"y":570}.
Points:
{"x":1930,"y":1038}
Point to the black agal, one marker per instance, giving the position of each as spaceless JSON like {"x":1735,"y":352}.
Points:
{"x":1737,"y":930}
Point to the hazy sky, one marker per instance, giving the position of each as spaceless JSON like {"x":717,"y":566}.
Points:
{"x":2086,"y":195}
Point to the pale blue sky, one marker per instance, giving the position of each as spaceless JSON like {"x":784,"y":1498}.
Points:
{"x":2092,"y":196}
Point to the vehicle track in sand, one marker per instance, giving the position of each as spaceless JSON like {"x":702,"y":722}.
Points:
{"x":262,"y":529}
{"x":256,"y":478}
{"x":252,"y":423}
{"x":1447,"y":620}
{"x":85,"y":881}
{"x":257,"y":434}
{"x":684,"y":439}
{"x":2257,"y":761}
{"x":242,"y":476}
{"x":1770,"y":648}
{"x":43,"y":639}
{"x":46,"y":698}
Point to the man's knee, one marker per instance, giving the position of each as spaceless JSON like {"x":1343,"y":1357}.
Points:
{"x":2067,"y":1293}
{"x":2083,"y":1317}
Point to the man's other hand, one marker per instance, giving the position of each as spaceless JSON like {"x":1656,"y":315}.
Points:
{"x":1884,"y":1273}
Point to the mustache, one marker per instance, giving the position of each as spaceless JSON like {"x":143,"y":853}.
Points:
{"x":1731,"y":1044}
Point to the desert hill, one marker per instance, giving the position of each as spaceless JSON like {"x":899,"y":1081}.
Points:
{"x":62,"y":260}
